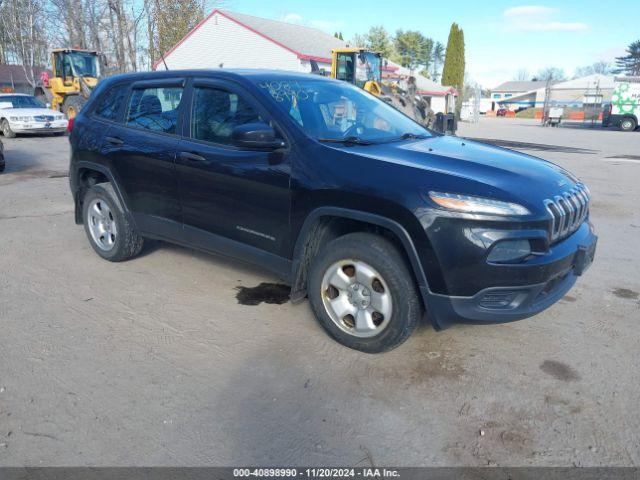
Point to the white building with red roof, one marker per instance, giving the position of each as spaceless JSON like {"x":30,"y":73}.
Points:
{"x":236,"y":40}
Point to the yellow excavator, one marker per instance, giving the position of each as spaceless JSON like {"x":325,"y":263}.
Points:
{"x":75,"y":72}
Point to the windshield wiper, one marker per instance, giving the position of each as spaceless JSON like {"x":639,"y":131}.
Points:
{"x":407,"y":136}
{"x":412,"y":136}
{"x":352,"y":140}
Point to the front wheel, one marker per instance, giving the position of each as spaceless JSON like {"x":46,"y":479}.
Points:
{"x":363,"y":293}
{"x":628,"y":125}
{"x":6,"y":129}
{"x":72,"y":105}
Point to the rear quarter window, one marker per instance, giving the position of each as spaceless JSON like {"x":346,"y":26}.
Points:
{"x":110,"y":103}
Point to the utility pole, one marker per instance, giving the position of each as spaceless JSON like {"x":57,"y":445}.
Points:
{"x":547,"y":101}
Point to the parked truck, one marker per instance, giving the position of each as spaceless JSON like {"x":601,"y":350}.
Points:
{"x":624,"y":110}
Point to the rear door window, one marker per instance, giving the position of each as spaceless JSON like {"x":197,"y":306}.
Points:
{"x":111,"y":102}
{"x":155,"y":109}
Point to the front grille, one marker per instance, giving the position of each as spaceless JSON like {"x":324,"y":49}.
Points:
{"x":44,"y":118}
{"x":568,"y":211}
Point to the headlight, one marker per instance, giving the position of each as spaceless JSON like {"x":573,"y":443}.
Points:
{"x":470,"y":204}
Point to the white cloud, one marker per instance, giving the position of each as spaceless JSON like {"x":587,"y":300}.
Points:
{"x":291,"y":17}
{"x":609,"y":54}
{"x":537,"y":18}
{"x":527,"y":10}
{"x":553,"y":26}
{"x":325,"y":25}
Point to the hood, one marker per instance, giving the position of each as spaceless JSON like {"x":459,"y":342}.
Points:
{"x":504,"y":174}
{"x":27,"y":112}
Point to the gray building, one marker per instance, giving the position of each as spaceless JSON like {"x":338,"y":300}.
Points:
{"x":13,"y":79}
{"x":512,"y":88}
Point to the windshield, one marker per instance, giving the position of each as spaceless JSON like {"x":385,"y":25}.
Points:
{"x":367,"y":68}
{"x":332,"y":110}
{"x":19,"y":101}
{"x":83,"y":64}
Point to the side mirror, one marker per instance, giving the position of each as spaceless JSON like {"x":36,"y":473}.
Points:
{"x":259,"y":136}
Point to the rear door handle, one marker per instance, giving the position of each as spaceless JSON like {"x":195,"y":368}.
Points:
{"x":114,"y":141}
{"x":193,"y":157}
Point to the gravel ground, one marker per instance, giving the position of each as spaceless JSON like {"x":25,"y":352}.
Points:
{"x":154,"y":361}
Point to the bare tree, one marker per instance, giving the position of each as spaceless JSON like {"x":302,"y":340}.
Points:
{"x":22,"y":24}
{"x":522,"y":75}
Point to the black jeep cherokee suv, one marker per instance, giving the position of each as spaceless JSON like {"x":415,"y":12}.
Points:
{"x":371,"y":216}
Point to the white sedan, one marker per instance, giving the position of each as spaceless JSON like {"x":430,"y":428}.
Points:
{"x":20,"y":113}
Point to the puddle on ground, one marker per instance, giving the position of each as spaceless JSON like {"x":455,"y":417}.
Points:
{"x":559,"y":370}
{"x":274,"y":293}
{"x":625,"y":293}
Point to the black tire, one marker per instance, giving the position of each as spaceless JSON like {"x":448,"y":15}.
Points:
{"x":385,"y":258}
{"x":128,"y":243}
{"x":72,"y":105}
{"x":628,"y":124}
{"x":6,"y":129}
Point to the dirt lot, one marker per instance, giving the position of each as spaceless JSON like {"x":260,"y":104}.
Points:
{"x":155,"y":362}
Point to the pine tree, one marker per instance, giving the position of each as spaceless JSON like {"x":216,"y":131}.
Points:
{"x":454,"y":63}
{"x":412,"y":48}
{"x":630,"y":64}
{"x":437,"y":59}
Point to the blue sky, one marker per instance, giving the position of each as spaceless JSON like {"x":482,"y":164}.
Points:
{"x":501,"y":36}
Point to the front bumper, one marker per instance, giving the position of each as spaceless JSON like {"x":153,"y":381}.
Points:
{"x":555,"y":273}
{"x":39,"y":127}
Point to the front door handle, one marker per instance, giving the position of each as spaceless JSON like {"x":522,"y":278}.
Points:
{"x":114,"y":141}
{"x":193,"y":157}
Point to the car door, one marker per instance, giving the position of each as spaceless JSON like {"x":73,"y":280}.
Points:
{"x":237,"y":194}
{"x":142,"y":152}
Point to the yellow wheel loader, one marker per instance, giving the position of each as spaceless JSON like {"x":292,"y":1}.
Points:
{"x":359,"y":67}
{"x":75,"y":73}
{"x":363,"y":68}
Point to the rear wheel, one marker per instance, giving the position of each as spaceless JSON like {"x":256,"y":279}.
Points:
{"x":628,"y":124}
{"x":72,"y":105}
{"x":363,"y":293}
{"x":107,"y":226}
{"x":6,"y":129}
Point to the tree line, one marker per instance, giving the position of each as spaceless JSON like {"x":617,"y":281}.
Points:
{"x":131,"y":34}
{"x":628,"y":64}
{"x":409,"y":48}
